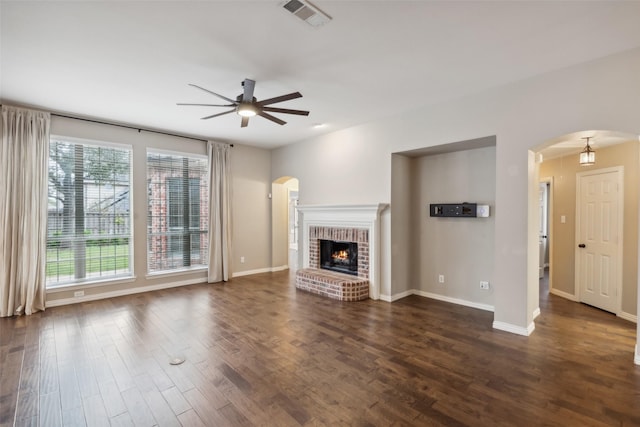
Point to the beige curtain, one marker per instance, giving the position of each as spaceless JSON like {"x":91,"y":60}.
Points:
{"x":24,"y":154}
{"x":219,"y":212}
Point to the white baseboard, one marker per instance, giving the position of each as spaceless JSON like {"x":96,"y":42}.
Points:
{"x":628,"y":316}
{"x":120,"y":293}
{"x":396,"y":297}
{"x":259,"y":271}
{"x":636,"y":358}
{"x":563,"y":294}
{"x":536,"y":313}
{"x":485,"y":307}
{"x":514,"y":329}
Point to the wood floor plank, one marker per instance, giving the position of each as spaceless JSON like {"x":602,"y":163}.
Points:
{"x":70,"y":396}
{"x":191,"y":419}
{"x":122,"y":420}
{"x":159,"y":408}
{"x":119,"y":370}
{"x":176,"y":400}
{"x":50,"y":414}
{"x":74,"y":417}
{"x":138,"y":408}
{"x":94,"y":411}
{"x":259,"y":352}
{"x":113,"y":403}
{"x":27,"y":407}
{"x":208,"y":414}
{"x":49,"y":378}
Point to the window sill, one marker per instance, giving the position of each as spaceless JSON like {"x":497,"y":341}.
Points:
{"x":90,"y":284}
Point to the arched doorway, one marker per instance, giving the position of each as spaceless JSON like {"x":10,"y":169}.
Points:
{"x":284,"y":224}
{"x":556,"y":162}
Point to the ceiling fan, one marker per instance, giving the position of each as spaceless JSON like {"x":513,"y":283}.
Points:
{"x":247,"y":106}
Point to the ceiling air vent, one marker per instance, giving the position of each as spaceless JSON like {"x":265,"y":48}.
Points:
{"x":306,"y":12}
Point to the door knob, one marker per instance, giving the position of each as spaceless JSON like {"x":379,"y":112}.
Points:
{"x":582,"y":245}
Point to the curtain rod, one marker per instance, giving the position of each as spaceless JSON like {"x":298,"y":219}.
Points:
{"x":139,"y":129}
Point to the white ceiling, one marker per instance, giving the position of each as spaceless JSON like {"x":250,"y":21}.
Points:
{"x":130,"y":62}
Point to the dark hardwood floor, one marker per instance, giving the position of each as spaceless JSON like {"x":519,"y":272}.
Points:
{"x":258,"y":352}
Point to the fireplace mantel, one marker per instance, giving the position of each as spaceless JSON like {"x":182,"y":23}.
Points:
{"x":348,"y":216}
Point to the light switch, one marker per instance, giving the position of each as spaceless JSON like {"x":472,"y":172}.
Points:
{"x":563,"y":219}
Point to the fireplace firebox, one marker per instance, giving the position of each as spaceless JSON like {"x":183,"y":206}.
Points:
{"x":339,"y":256}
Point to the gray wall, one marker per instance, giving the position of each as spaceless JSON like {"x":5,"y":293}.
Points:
{"x":403,"y":243}
{"x":461,"y":249}
{"x":250,"y":169}
{"x":602,"y":94}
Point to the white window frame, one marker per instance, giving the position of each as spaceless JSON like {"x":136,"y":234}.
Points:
{"x":116,"y":278}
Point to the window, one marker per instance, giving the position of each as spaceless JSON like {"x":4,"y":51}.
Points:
{"x":178,"y":215}
{"x":89,"y":217}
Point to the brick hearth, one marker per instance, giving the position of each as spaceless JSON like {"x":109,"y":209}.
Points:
{"x":331,"y":284}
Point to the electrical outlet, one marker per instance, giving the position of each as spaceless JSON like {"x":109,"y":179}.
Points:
{"x":78,"y":294}
{"x":241,"y":260}
{"x":484,"y":284}
{"x":441,"y":278}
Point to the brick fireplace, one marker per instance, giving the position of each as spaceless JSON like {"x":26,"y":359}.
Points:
{"x":343,"y":223}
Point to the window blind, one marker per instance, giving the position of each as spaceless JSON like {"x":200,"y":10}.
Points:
{"x":89,"y":216}
{"x":178,"y":211}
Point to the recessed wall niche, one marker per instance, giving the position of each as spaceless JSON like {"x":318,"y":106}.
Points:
{"x":424,"y":247}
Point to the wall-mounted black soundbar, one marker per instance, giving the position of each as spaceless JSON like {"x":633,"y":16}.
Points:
{"x":458,"y":210}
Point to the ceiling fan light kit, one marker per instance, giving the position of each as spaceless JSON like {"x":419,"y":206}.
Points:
{"x":246,"y":106}
{"x":246,"y":110}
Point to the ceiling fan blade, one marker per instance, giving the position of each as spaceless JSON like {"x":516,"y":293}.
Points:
{"x":272,"y":118}
{"x":213,"y":93}
{"x":244,"y":122}
{"x":248,"y":85}
{"x":285,"y":110}
{"x":219,"y":114}
{"x":207,"y":105}
{"x":281,"y":98}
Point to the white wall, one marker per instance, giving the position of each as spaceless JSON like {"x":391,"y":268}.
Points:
{"x":602,"y":94}
{"x":250,"y":169}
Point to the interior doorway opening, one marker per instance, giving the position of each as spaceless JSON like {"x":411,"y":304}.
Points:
{"x":557,"y":163}
{"x":544,"y":188}
{"x":284,"y":225}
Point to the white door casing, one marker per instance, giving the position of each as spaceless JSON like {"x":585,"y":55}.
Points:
{"x":599,"y":234}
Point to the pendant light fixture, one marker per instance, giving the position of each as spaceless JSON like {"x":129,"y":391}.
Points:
{"x":587,"y":156}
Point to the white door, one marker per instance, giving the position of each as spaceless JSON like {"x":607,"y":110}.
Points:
{"x":542,"y":234}
{"x":599,"y":237}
